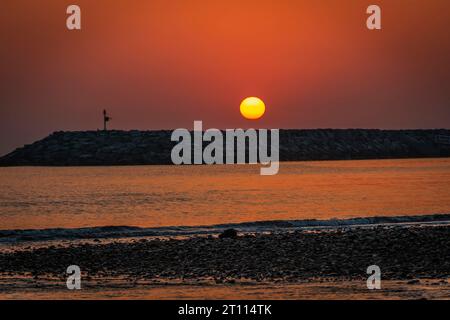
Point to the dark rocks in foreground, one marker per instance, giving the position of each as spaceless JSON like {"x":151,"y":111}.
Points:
{"x":229,"y":233}
{"x":401,"y":253}
{"x":154,"y":147}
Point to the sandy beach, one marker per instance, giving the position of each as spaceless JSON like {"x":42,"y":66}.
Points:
{"x":409,"y":256}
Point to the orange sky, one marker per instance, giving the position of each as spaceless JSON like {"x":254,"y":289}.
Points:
{"x":164,"y":64}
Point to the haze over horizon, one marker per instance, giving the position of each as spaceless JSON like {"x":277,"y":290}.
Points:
{"x":161,"y":65}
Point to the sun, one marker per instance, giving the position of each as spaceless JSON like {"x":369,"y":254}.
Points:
{"x":252,"y":108}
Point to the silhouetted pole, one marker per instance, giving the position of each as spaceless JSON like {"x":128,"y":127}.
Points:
{"x":106,"y":118}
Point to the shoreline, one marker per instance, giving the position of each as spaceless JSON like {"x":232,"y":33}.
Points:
{"x":405,"y":254}
{"x":17,"y":236}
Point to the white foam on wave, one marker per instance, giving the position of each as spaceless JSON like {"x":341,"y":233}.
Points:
{"x":17,"y":236}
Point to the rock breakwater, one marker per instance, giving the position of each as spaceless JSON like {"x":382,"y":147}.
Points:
{"x":83,"y":148}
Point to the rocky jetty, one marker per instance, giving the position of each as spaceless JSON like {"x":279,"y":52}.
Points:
{"x":154,"y":147}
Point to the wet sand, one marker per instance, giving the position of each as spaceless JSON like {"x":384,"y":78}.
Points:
{"x":306,"y":290}
{"x":286,"y":265}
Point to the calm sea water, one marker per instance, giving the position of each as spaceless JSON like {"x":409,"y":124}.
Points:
{"x":153,"y":196}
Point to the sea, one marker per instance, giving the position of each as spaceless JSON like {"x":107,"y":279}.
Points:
{"x":57,"y":203}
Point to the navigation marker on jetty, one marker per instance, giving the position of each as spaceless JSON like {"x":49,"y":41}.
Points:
{"x":106,"y":118}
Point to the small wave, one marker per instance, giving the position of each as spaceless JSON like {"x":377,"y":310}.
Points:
{"x":16,"y":236}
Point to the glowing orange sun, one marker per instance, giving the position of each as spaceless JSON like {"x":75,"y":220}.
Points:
{"x":252,"y":108}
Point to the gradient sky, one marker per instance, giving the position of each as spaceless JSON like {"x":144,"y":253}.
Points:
{"x":163,"y":64}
